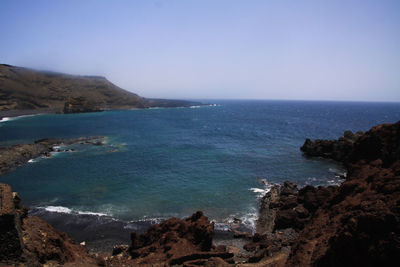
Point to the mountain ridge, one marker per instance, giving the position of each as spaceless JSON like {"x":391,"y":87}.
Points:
{"x":27,"y":89}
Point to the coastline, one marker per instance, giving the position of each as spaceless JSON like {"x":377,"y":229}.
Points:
{"x":306,"y":226}
{"x":100,"y":232}
{"x":18,"y":155}
{"x":24,"y":112}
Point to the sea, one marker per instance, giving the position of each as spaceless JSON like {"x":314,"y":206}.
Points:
{"x":220,"y":158}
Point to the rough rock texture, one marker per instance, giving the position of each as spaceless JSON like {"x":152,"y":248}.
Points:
{"x":30,"y":241}
{"x":173,"y":242}
{"x":10,"y":225}
{"x":358,"y":223}
{"x":14,"y":156}
{"x":354,"y":224}
{"x":339,"y":150}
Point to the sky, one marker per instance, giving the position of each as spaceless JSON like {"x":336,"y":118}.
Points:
{"x":276,"y":49}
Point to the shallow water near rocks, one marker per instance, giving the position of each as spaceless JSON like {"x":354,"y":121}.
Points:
{"x":159,"y":163}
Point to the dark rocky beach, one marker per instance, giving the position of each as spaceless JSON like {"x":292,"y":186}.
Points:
{"x":354,"y":224}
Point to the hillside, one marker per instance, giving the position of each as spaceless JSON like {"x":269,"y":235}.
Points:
{"x":26,"y":89}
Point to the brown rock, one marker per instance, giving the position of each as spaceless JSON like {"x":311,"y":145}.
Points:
{"x":29,"y":240}
{"x":175,"y":240}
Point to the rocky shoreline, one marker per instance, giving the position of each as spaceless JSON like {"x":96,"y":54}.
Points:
{"x":18,"y":155}
{"x":354,"y":224}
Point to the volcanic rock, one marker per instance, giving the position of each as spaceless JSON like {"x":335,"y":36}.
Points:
{"x":30,"y":241}
{"x":358,"y":223}
{"x":17,"y":155}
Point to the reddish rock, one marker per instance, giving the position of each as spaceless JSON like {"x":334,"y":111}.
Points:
{"x":29,"y":240}
{"x":174,"y":242}
{"x":357,"y":224}
{"x":10,"y":226}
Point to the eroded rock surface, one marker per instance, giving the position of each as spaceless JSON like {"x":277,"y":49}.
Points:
{"x":30,"y":241}
{"x":339,"y":150}
{"x":174,"y":242}
{"x":354,"y":224}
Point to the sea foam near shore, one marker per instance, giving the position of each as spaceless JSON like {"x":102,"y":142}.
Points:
{"x":5,"y":119}
{"x":61,"y":209}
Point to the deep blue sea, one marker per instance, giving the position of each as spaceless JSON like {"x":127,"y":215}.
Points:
{"x":159,"y":163}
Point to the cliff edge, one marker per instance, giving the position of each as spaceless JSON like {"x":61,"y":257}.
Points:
{"x":354,"y":224}
{"x":27,"y":89}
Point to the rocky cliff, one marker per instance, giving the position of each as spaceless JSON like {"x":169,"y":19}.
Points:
{"x":29,"y":241}
{"x":354,"y":224}
{"x":26,"y":89}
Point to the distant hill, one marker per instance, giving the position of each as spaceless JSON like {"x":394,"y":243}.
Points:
{"x":27,"y":89}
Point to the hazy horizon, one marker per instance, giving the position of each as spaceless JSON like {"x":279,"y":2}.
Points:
{"x":266,"y":50}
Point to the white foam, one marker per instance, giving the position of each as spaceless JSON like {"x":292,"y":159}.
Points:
{"x":61,"y":209}
{"x":17,"y":117}
{"x":91,"y":213}
{"x":261,"y":192}
{"x":5,"y":119}
{"x":31,"y":161}
{"x":58,"y":209}
{"x":132,"y":224}
{"x":257,"y":190}
{"x":195,"y":107}
{"x":249,"y":220}
{"x":222,"y":226}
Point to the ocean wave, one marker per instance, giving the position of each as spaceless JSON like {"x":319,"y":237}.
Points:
{"x":246,"y":222}
{"x":221,"y":226}
{"x":61,"y":209}
{"x":250,"y":220}
{"x":5,"y":119}
{"x":195,"y":107}
{"x":261,"y":192}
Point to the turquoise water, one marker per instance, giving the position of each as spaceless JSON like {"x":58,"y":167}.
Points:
{"x":159,"y":163}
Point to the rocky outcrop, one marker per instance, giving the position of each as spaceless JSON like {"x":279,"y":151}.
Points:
{"x":29,"y":241}
{"x":359,"y":223}
{"x":339,"y":150}
{"x":354,"y":224}
{"x":10,"y":225}
{"x":174,"y":242}
{"x":80,"y":105}
{"x":17,"y":155}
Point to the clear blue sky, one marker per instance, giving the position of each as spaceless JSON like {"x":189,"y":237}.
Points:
{"x":331,"y":50}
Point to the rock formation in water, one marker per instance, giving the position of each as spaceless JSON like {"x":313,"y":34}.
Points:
{"x":338,"y":150}
{"x":174,"y":242}
{"x":354,"y":224}
{"x":17,"y":155}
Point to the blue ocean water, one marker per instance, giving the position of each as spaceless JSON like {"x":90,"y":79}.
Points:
{"x":159,"y":163}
